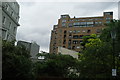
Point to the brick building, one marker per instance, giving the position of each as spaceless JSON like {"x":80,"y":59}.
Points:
{"x":68,"y":32}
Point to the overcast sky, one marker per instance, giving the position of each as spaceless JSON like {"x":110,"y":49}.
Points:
{"x":38,"y":17}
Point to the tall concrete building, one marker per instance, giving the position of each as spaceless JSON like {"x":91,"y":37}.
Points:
{"x":32,"y":47}
{"x":68,"y":32}
{"x":10,"y":18}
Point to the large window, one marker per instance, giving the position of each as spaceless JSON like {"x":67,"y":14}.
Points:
{"x":63,"y":20}
{"x":75,"y":36}
{"x":89,"y":22}
{"x":76,"y":23}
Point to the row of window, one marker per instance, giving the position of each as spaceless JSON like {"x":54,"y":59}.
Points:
{"x":78,"y":31}
{"x":73,"y":47}
{"x":82,"y":24}
{"x":11,"y":12}
{"x":83,"y":19}
{"x":9,"y":25}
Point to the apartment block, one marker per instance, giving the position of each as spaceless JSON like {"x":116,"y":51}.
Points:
{"x":69,"y":31}
{"x":32,"y":47}
{"x":9,"y":19}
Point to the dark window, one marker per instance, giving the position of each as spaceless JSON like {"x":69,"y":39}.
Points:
{"x":81,"y":36}
{"x":98,"y":30}
{"x":75,"y":36}
{"x":88,"y":31}
{"x":73,"y":47}
{"x":64,"y":46}
{"x":65,"y":32}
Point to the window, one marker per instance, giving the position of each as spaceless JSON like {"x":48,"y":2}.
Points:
{"x":69,"y":42}
{"x":70,"y":36}
{"x":74,"y":31}
{"x":107,"y":21}
{"x":70,"y":24}
{"x":83,"y":31}
{"x":78,"y":47}
{"x":75,"y":36}
{"x":63,"y":20}
{"x":82,"y":23}
{"x":64,"y":46}
{"x":81,"y":36}
{"x":63,"y":24}
{"x":78,"y":31}
{"x":90,"y":19}
{"x":107,"y":13}
{"x":11,"y":13}
{"x":10,"y":25}
{"x":88,"y":31}
{"x":60,"y":31}
{"x":76,"y":24}
{"x":64,"y":36}
{"x":98,"y":30}
{"x":70,"y":31}
{"x":69,"y":47}
{"x":89,"y":22}
{"x":75,"y":42}
{"x":3,"y":20}
{"x":73,"y":47}
{"x":96,"y":22}
{"x":65,"y":32}
{"x":108,"y":18}
{"x":81,"y":41}
{"x":14,"y":29}
{"x":6,"y":6}
{"x":4,"y":32}
{"x":64,"y":42}
{"x":100,"y":22}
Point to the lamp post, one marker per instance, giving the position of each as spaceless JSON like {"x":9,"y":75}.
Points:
{"x":113,"y":36}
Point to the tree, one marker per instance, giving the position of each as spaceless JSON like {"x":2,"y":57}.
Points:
{"x":106,"y":37}
{"x":55,"y":65}
{"x":16,"y":62}
{"x":96,"y":59}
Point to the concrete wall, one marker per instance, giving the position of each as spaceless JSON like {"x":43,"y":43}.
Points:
{"x":34,"y":50}
{"x":65,"y":51}
{"x":32,"y":47}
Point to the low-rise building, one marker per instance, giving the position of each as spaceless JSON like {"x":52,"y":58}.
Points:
{"x":32,"y":47}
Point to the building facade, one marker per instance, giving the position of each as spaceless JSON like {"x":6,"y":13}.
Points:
{"x":68,"y":32}
{"x":10,"y":18}
{"x":32,"y":47}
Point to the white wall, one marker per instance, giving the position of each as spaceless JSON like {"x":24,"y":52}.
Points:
{"x":65,"y":51}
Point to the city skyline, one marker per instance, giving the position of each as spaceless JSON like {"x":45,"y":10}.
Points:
{"x":37,"y":18}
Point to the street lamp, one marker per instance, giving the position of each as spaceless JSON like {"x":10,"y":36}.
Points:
{"x":113,"y":36}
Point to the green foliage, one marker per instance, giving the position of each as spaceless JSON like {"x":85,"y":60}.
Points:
{"x":96,"y":59}
{"x":55,"y":65}
{"x":16,"y":62}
